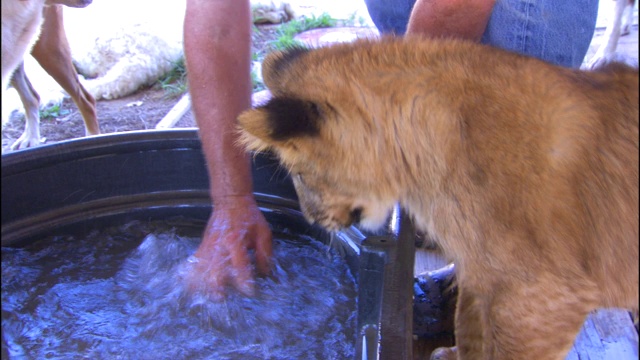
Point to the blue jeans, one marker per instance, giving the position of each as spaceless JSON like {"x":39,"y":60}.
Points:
{"x":556,"y":31}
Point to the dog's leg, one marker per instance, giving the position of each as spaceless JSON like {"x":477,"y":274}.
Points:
{"x":53,"y":53}
{"x":611,"y":35}
{"x":31,"y":101}
{"x":21,"y":22}
{"x":627,"y":19}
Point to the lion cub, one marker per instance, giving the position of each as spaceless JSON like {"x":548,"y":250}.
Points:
{"x":526,"y":173}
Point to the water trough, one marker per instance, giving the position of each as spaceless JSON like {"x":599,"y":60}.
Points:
{"x":111,"y":179}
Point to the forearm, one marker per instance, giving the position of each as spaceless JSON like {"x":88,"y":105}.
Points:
{"x":217,"y":43}
{"x":465,"y":19}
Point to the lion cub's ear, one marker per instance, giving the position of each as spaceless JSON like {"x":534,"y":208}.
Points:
{"x":277,"y":122}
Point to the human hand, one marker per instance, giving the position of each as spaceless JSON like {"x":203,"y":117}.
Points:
{"x":222,"y":259}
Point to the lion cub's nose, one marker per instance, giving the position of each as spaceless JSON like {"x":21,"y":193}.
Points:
{"x":355,"y":215}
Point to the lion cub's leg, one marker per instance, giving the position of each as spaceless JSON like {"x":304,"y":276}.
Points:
{"x":522,"y":321}
{"x":536,"y":320}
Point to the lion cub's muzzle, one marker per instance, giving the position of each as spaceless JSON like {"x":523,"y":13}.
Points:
{"x":330,"y":211}
{"x":332,"y":219}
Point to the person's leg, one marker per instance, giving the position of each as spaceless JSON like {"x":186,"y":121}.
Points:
{"x":390,"y":16}
{"x":555,"y":31}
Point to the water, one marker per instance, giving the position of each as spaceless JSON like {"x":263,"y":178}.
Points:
{"x":117,"y":294}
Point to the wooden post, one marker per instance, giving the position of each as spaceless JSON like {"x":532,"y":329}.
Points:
{"x":397,"y":298}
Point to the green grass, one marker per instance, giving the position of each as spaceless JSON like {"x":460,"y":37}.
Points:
{"x":286,"y":39}
{"x":351,"y":21}
{"x":175,"y":82}
{"x":257,"y":85}
{"x":53,"y":112}
{"x":287,"y":31}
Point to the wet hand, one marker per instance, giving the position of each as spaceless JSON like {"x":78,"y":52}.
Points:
{"x":222,"y":259}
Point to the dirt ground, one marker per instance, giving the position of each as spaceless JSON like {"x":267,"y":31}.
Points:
{"x":144,"y":109}
{"x":140,"y":111}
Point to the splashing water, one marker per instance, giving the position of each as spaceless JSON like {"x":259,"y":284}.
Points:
{"x":109,"y":295}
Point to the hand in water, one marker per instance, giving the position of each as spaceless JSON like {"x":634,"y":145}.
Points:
{"x":235,"y":226}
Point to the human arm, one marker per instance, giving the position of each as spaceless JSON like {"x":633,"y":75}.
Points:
{"x":217,"y":43}
{"x":466,"y":19}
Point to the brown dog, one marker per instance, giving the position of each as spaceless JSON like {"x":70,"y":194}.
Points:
{"x":51,"y":50}
{"x":526,"y":173}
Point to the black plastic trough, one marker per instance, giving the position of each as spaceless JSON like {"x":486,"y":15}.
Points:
{"x":159,"y":174}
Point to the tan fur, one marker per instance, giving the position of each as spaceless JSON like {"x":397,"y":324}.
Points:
{"x":526,"y":173}
{"x":21,"y":22}
{"x":21,"y":25}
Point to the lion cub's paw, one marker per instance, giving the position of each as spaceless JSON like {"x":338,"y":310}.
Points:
{"x":444,"y":353}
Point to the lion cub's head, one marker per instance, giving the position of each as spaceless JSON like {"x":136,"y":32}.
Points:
{"x":326,"y":124}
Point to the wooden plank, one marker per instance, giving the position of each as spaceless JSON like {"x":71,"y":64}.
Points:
{"x":607,"y":334}
{"x":176,"y":113}
{"x":428,"y":260}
